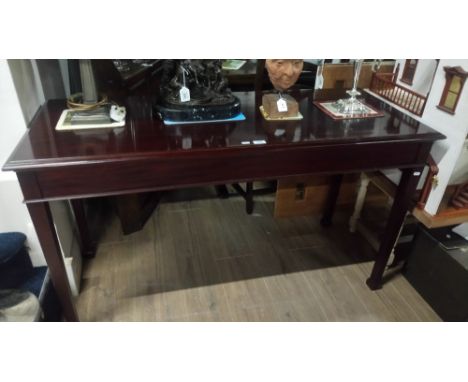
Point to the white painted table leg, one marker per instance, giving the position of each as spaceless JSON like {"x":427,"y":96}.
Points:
{"x":361,"y":196}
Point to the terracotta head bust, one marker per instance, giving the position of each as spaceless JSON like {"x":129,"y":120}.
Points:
{"x":284,"y":73}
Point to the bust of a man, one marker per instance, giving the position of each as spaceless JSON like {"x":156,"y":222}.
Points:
{"x":283,"y":74}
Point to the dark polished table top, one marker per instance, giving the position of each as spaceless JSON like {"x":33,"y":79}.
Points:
{"x":144,"y":135}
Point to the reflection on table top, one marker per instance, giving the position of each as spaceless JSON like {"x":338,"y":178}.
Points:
{"x":144,"y":133}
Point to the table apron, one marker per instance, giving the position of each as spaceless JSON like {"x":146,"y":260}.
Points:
{"x":203,"y":168}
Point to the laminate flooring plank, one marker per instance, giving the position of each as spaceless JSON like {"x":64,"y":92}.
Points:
{"x":97,"y":289}
{"x":417,"y":303}
{"x":298,"y":233}
{"x":326,"y":301}
{"x":237,"y":294}
{"x":333,"y":282}
{"x":338,"y":279}
{"x":342,"y":298}
{"x":401,"y":307}
{"x":290,"y":311}
{"x":247,"y":271}
{"x":205,"y":259}
{"x":226,"y":230}
{"x":291,"y":286}
{"x":126,"y":280}
{"x":199,"y":317}
{"x":376,"y":308}
{"x":218,"y":261}
{"x":215,"y":303}
{"x":188,"y":256}
{"x":304,"y":303}
{"x":140,"y":299}
{"x":206,"y":248}
{"x":262,"y":313}
{"x":174,"y":250}
{"x":172,"y":264}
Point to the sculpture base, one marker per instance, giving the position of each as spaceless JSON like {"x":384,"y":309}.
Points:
{"x":270,"y":107}
{"x":200,"y":112}
{"x":265,"y":115}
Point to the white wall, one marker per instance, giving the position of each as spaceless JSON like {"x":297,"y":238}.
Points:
{"x":14,"y":215}
{"x":21,"y":95}
{"x":422,"y":78}
{"x":455,"y":127}
{"x":9,"y":111}
{"x":27,"y":85}
{"x":460,"y":172}
{"x":65,"y":75}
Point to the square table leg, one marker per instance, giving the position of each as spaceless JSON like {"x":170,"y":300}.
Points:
{"x":44,"y":225}
{"x":332,"y":197}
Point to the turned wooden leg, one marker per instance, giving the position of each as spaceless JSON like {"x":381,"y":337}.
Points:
{"x":404,"y":192}
{"x":247,"y":194}
{"x":222,"y":191}
{"x":44,"y":225}
{"x":360,"y":198}
{"x":331,"y":200}
{"x":249,"y":203}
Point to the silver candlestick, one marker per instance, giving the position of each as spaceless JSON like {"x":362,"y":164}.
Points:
{"x":351,"y":106}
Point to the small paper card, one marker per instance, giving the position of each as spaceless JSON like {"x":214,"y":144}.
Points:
{"x":282,"y":105}
{"x":184,"y":94}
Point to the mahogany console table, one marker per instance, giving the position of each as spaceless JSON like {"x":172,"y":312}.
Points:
{"x":147,"y":155}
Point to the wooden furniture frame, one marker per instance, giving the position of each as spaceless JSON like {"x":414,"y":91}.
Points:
{"x":450,"y":74}
{"x":384,"y":86}
{"x":340,"y":76}
{"x":409,"y":71}
{"x":147,"y":155}
{"x":388,"y":187}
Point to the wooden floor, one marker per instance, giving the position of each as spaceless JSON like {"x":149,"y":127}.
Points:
{"x":206,"y":260}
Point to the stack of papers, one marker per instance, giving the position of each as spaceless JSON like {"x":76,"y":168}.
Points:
{"x":461,"y":230}
{"x":71,"y":119}
{"x":233,"y":64}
